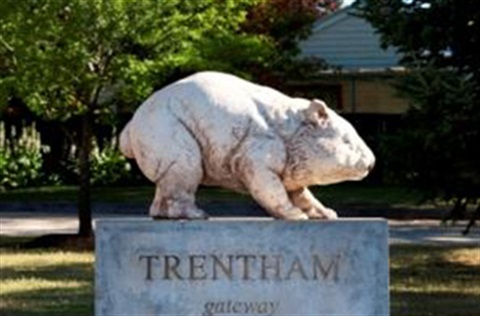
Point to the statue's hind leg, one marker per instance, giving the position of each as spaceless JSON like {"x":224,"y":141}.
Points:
{"x":177,"y":181}
{"x":171,"y":202}
{"x":172,"y":160}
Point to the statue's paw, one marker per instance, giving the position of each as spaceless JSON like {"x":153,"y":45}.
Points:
{"x":295,"y":214}
{"x":195,"y":213}
{"x":174,"y":215}
{"x":330,"y":214}
{"x":177,"y":210}
{"x":325,"y":213}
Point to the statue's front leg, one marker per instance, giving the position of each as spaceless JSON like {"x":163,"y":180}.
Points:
{"x":314,"y":209}
{"x":267,"y":189}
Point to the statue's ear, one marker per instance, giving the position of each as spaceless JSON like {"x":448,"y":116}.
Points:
{"x":316,"y":112}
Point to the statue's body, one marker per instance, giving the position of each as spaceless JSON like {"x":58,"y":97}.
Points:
{"x":216,"y":129}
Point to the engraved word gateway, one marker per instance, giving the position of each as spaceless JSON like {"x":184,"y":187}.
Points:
{"x":248,"y":267}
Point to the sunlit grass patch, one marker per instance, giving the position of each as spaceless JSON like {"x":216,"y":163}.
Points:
{"x":23,"y":285}
{"x":467,"y":257}
{"x":21,"y":259}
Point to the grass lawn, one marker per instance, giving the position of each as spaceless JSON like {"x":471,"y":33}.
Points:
{"x":425,"y":281}
{"x":435,"y":281}
{"x":345,"y":193}
{"x":45,"y":282}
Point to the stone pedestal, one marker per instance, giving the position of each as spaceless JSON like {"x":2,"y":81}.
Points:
{"x":241,"y":267}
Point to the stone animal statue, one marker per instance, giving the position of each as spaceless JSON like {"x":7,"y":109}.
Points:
{"x":213,"y":128}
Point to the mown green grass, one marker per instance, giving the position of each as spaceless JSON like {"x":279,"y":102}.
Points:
{"x":435,"y":281}
{"x":440,"y":281}
{"x":346,"y":193}
{"x":70,"y":194}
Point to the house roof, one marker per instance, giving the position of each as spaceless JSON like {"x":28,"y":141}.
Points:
{"x":349,"y":42}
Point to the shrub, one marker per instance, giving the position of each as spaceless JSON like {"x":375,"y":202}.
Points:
{"x":110,"y":167}
{"x":21,"y":167}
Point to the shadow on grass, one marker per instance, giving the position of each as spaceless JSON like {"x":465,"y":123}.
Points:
{"x":429,"y":281}
{"x":72,"y":242}
{"x":8,"y":242}
{"x":53,"y":272}
{"x":59,"y":301}
{"x":434,"y":304}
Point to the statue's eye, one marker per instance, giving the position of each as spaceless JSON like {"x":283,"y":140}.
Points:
{"x":346,"y":140}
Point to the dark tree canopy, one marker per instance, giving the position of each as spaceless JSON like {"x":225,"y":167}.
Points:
{"x":287,"y":21}
{"x":438,"y":33}
{"x":438,"y":148}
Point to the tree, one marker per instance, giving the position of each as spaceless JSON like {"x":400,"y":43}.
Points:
{"x":442,"y":33}
{"x":286,"y":23}
{"x":438,"y":41}
{"x":84,"y":58}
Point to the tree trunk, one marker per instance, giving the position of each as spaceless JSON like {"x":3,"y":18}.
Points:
{"x":84,"y":203}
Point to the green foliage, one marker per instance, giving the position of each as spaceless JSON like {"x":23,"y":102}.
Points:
{"x":287,"y":21}
{"x":20,"y":168}
{"x":238,"y":54}
{"x":66,"y":57}
{"x":284,"y":23}
{"x":109,"y":167}
{"x":21,"y":161}
{"x":69,"y":58}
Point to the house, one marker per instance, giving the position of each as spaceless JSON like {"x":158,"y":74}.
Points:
{"x":361,"y":81}
{"x":359,"y":85}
